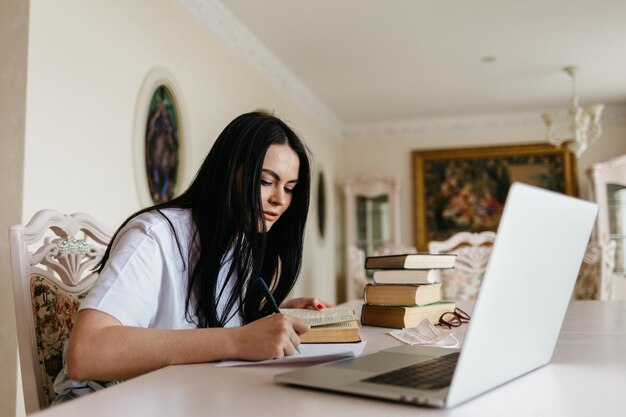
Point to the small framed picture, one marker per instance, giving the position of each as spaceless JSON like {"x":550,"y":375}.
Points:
{"x":159,"y":146}
{"x":162,"y":145}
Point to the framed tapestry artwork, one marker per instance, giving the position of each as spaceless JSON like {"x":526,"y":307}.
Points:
{"x":465,"y":189}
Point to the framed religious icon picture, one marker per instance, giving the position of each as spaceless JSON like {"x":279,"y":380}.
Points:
{"x":162,"y":143}
{"x":159,"y":151}
{"x":459,"y":190}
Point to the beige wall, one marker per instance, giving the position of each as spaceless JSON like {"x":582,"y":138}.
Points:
{"x":87,"y":63}
{"x":391,"y":156}
{"x":13,"y":44}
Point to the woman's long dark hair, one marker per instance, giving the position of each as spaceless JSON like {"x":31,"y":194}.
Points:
{"x":225,"y":201}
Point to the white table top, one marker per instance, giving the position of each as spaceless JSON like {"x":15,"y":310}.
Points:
{"x":586,"y":377}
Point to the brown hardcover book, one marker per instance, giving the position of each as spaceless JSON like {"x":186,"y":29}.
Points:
{"x":404,"y":276}
{"x":399,"y":317}
{"x":345,"y":332}
{"x":411,"y":261}
{"x":402,"y":295}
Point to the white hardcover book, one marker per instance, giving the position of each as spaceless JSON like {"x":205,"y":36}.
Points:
{"x":404,"y":276}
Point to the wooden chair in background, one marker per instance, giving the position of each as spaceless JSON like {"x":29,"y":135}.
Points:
{"x":473,"y":250}
{"x":356,"y":266}
{"x":596,"y":270}
{"x":356,"y":273}
{"x":52,"y":258}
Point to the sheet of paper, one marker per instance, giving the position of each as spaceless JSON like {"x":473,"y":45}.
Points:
{"x":309,"y":352}
{"x":322,"y":317}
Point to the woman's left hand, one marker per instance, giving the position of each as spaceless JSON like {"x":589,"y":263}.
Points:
{"x":306,"y":302}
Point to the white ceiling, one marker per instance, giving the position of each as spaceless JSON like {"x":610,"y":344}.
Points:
{"x":391,"y":61}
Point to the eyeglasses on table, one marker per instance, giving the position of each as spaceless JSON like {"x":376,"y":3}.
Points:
{"x":454,"y":318}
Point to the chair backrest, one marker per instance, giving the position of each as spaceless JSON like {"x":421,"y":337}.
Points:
{"x":473,"y":250}
{"x":356,"y":272}
{"x":52,"y":258}
{"x":609,"y":250}
{"x":393,"y":249}
{"x":588,"y":281}
{"x":596,"y":270}
{"x":356,"y":265}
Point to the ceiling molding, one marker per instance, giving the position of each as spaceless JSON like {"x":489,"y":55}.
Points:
{"x":613,"y":115}
{"x":220,"y":21}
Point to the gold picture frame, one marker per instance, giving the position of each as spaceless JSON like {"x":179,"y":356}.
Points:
{"x":464,"y":189}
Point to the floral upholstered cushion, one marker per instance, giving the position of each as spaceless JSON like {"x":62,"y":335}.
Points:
{"x":54,"y":311}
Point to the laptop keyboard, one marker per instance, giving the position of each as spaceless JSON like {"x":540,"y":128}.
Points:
{"x":432,"y":374}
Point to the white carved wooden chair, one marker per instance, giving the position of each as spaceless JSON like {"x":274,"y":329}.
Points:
{"x":473,"y":250}
{"x":606,"y":270}
{"x":356,"y":265}
{"x":595,"y":272}
{"x":393,"y":249}
{"x":356,"y":272}
{"x":52,"y":258}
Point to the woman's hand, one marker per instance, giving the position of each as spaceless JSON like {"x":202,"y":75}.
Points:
{"x":271,"y":337}
{"x":306,"y":302}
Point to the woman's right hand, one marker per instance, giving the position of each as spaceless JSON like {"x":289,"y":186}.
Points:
{"x":271,"y":337}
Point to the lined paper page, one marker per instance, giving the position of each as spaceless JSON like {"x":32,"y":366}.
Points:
{"x":321,"y":317}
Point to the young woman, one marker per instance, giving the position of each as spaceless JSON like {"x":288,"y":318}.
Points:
{"x":178,"y":283}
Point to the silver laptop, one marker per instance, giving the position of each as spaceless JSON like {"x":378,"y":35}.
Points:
{"x":516,"y":320}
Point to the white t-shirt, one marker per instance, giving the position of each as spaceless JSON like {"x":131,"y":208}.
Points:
{"x":144,"y":282}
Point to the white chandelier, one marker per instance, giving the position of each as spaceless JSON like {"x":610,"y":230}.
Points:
{"x":582,"y":122}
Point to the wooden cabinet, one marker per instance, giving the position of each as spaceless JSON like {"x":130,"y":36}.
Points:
{"x":608,"y":188}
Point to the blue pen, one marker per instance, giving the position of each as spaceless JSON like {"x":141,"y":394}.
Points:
{"x":269,"y":298}
{"x":267,"y":294}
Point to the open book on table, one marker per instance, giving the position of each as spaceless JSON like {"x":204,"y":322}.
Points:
{"x":334,"y":335}
{"x":330,"y":325}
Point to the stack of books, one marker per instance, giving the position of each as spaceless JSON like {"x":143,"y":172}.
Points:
{"x":405,"y":291}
